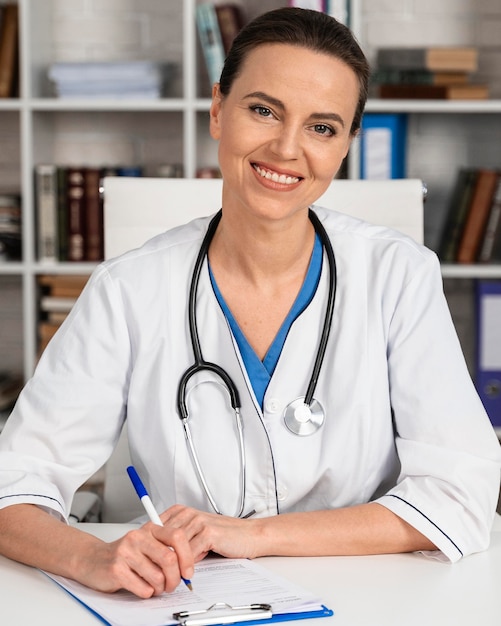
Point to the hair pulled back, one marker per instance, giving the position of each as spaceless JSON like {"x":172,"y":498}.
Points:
{"x":305,"y":28}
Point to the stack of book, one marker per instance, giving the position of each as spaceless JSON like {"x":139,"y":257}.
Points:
{"x":69,"y":211}
{"x":443,"y":73}
{"x":58,"y":294}
{"x":9,"y":35}
{"x":10,"y":227}
{"x":121,"y":79}
{"x":472,"y":230}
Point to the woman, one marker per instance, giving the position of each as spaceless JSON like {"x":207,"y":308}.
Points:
{"x":405,"y":458}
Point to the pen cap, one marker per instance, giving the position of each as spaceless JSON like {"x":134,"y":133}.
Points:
{"x":136,"y":481}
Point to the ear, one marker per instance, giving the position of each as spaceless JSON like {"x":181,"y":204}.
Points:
{"x":215,"y":112}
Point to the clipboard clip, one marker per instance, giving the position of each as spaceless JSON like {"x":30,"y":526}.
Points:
{"x":223,"y":613}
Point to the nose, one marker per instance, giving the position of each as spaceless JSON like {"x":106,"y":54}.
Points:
{"x":287,"y":144}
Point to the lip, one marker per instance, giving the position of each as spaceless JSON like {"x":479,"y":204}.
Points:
{"x":278,"y":172}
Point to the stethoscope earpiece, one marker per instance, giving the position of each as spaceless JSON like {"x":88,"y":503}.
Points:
{"x":304,"y":419}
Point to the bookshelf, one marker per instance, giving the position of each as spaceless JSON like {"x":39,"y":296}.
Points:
{"x":39,"y":125}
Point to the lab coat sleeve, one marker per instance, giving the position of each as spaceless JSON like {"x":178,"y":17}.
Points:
{"x":68,"y":417}
{"x":450,"y":457}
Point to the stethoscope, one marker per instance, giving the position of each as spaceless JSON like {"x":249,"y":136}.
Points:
{"x":303,"y":416}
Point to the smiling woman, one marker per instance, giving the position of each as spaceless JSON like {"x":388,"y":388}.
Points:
{"x":388,"y":450}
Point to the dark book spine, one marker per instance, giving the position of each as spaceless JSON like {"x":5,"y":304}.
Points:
{"x":8,"y":50}
{"x":459,"y":205}
{"x":230,"y":20}
{"x":93,"y":215}
{"x":62,"y":213}
{"x":76,"y":214}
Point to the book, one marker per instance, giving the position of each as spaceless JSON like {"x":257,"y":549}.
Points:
{"x":434,"y":92}
{"x":94,"y":235}
{"x":47,"y":212}
{"x":76,"y":213}
{"x":210,"y":40}
{"x":477,"y":216}
{"x":457,"y":212}
{"x":383,"y":146}
{"x":9,"y":50}
{"x":59,"y":304}
{"x":393,"y":76}
{"x":438,"y":58}
{"x":62,"y":285}
{"x":57,"y":293}
{"x":230,"y":20}
{"x":490,"y":251}
{"x":110,"y":79}
{"x":10,"y":227}
{"x":62,"y":213}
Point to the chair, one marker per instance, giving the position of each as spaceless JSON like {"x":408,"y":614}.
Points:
{"x":136,"y":209}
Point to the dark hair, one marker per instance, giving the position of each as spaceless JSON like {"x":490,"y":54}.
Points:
{"x":300,"y":27}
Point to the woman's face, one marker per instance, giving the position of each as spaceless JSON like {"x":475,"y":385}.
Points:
{"x":284,"y":129}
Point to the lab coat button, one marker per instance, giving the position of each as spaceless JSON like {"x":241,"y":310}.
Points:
{"x":272,"y":405}
{"x":282,"y":493}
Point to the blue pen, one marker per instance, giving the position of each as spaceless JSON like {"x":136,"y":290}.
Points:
{"x":148,"y":505}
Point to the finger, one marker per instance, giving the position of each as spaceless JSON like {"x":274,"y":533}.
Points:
{"x":148,"y":556}
{"x":176,"y":555}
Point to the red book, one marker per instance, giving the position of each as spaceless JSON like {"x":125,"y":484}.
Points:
{"x":477,"y":217}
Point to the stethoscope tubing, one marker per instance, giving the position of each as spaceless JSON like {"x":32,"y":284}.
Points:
{"x":201,"y":365}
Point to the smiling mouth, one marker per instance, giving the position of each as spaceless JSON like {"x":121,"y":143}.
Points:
{"x":275,"y":177}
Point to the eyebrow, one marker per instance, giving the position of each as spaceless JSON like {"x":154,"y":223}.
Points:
{"x":261,"y":95}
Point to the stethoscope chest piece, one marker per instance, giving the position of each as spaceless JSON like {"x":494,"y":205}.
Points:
{"x":303,"y":419}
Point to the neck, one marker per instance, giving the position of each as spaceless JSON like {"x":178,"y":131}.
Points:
{"x":263,"y":251}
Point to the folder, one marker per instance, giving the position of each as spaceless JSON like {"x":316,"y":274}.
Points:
{"x":383,"y":146}
{"x":488,"y":347}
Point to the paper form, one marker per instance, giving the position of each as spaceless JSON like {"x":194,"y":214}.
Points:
{"x":233,"y":581}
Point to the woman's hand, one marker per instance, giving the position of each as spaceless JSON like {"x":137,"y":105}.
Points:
{"x":146,"y":561}
{"x":206,"y":532}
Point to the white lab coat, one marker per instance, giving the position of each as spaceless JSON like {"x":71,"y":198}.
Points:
{"x":403,"y":425}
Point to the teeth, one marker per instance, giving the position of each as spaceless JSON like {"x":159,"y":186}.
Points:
{"x":276,"y":178}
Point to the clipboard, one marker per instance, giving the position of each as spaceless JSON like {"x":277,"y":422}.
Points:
{"x":256,"y":613}
{"x":237,"y":580}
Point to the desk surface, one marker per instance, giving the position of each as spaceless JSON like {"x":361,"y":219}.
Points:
{"x":389,"y":590}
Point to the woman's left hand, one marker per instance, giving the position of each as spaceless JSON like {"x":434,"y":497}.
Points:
{"x":206,"y":532}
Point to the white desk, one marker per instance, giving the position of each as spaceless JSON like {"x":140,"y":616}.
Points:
{"x":396,"y":590}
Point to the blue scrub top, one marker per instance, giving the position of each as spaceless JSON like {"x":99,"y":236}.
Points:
{"x":260,"y":372}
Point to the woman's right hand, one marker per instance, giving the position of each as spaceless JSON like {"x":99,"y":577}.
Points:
{"x":147,"y":561}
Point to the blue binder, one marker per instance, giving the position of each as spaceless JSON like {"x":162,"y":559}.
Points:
{"x":383,"y":146}
{"x":488,"y":347}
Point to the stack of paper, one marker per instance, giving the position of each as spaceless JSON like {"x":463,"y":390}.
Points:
{"x":122,"y":79}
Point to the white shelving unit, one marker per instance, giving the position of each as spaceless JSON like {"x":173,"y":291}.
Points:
{"x":38,"y":116}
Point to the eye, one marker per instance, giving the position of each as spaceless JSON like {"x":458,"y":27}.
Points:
{"x":261,"y":110}
{"x":324,"y":129}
